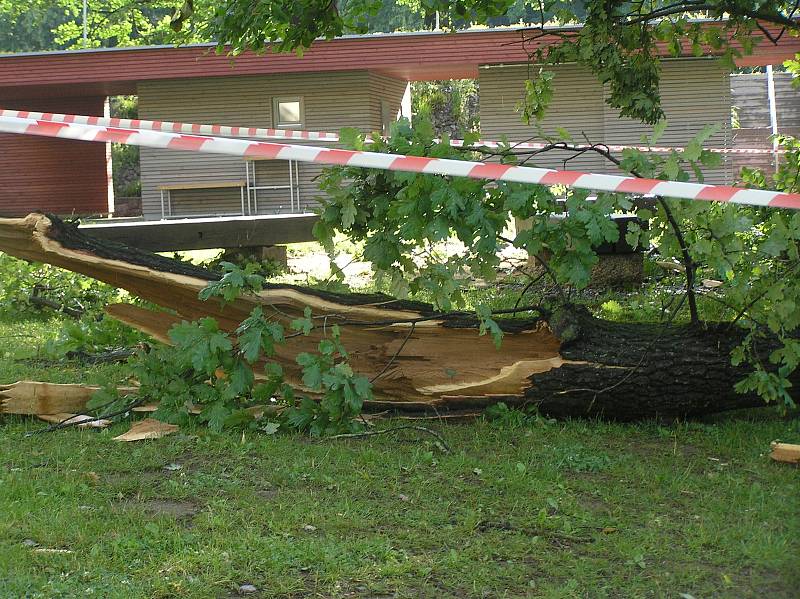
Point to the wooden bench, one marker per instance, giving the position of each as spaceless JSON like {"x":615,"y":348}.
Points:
{"x":166,"y":194}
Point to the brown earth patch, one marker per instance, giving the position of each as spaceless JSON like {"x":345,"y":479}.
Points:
{"x":180,"y":510}
{"x":593,"y":504}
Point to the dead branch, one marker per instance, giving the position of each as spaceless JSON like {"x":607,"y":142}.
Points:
{"x":43,"y":302}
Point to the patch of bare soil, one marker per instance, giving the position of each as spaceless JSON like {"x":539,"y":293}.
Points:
{"x":266,"y":493}
{"x":593,"y":504}
{"x":180,"y":510}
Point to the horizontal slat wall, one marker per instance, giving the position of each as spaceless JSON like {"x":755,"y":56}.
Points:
{"x":386,"y":89}
{"x":694,"y":92}
{"x":756,"y":137}
{"x":205,"y":202}
{"x":331,"y":101}
{"x":577,"y":106}
{"x":751,"y":104}
{"x":61,"y":176}
{"x":751,"y":101}
{"x":276,"y":172}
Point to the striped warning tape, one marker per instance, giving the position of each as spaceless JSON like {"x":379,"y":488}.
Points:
{"x":297,"y":134}
{"x":398,"y":162}
{"x":168,"y":126}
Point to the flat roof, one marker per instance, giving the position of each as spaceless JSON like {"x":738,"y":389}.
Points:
{"x":411,"y":56}
{"x":352,"y":36}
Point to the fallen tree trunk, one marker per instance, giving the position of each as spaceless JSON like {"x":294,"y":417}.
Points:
{"x":569,"y":364}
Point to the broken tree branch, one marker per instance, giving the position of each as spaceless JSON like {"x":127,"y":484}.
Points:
{"x":43,"y":302}
{"x":445,"y":365}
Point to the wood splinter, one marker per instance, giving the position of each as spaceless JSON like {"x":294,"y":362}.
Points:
{"x":785,"y":452}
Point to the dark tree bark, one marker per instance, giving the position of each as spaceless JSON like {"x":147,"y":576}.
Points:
{"x":632,"y":371}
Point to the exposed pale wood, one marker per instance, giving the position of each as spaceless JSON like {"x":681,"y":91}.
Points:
{"x":460,"y":359}
{"x":149,"y":428}
{"x":432,"y":364}
{"x":785,"y":452}
{"x":31,"y":397}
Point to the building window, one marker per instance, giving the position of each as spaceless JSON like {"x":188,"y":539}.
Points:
{"x":288,"y":113}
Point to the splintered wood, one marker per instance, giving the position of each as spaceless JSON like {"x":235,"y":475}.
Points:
{"x":785,"y":452}
{"x":32,"y":397}
{"x":440,"y":362}
{"x":149,"y":428}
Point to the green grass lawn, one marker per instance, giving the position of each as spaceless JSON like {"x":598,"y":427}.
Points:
{"x":532,"y":509}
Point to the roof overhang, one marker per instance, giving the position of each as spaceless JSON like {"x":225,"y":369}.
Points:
{"x":409,"y":56}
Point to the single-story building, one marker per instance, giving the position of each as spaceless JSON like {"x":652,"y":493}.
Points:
{"x":188,"y":183}
{"x":694,"y":93}
{"x":353,"y":81}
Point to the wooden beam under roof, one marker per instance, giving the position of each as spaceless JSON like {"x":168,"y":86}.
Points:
{"x":206,"y":233}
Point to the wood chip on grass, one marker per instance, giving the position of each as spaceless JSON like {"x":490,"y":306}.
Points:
{"x":149,"y":428}
{"x":785,"y":452}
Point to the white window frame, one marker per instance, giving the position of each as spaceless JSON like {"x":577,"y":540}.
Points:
{"x":276,"y":115}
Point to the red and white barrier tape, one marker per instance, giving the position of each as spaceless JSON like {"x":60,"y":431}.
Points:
{"x":397,"y":162}
{"x":168,"y":126}
{"x":525,"y":145}
{"x":262,"y":133}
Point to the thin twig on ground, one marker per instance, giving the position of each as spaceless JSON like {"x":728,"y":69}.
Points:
{"x":385,"y":431}
{"x":68,"y":422}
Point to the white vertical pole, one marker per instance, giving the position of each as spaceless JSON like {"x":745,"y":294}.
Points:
{"x":773,"y":113}
{"x":109,"y":162}
{"x":85,"y":24}
{"x":297,"y":183}
{"x":437,"y":20}
{"x":291,"y":189}
{"x":249,"y":185}
{"x":405,"y":102}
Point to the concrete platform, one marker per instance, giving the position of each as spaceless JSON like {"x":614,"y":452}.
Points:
{"x":205,"y":233}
